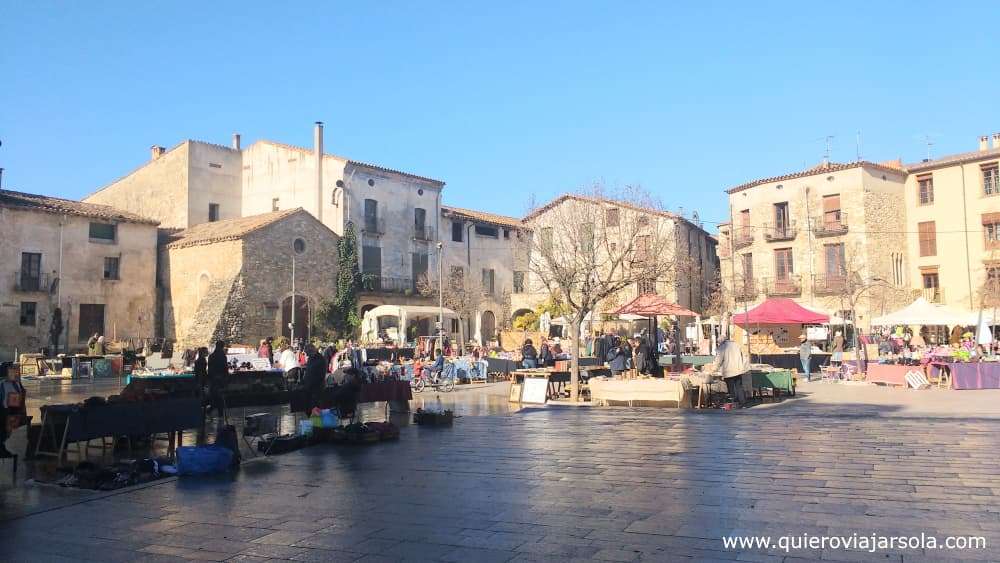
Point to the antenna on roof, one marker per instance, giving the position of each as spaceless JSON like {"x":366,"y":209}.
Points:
{"x":826,"y":154}
{"x":929,"y":143}
{"x":859,"y":146}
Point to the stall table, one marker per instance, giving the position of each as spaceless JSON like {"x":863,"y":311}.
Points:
{"x":889,"y":374}
{"x":978,"y":375}
{"x":778,"y":380}
{"x":667,"y":360}
{"x":792,"y":361}
{"x":628,"y":391}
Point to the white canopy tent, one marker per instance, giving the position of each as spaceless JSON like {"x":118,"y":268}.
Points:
{"x":403,"y":313}
{"x":923,"y":312}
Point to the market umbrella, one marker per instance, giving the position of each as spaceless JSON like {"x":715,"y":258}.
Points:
{"x":652,"y":305}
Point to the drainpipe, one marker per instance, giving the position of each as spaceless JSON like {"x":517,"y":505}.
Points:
{"x":965,"y":223}
{"x":62,"y":221}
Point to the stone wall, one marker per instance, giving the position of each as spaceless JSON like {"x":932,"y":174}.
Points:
{"x":197,"y":281}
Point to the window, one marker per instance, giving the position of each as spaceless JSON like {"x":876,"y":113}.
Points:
{"x":274,"y":204}
{"x":744,"y":225}
{"x":371,"y":260}
{"x":932,"y":286}
{"x":489,"y":277}
{"x":457,"y":231}
{"x":31,"y":271}
{"x":991,"y":179}
{"x":991,"y":230}
{"x":646,"y":286}
{"x":925,"y":189}
{"x":546,"y":238}
{"x":781,"y":219}
{"x":487,"y":231}
{"x":213,"y":212}
{"x":419,"y":267}
{"x":783,"y":264}
{"x":747,"y":266}
{"x":927,"y":235}
{"x":518,"y":282}
{"x":419,"y":218}
{"x":897,"y":268}
{"x":103,"y":232}
{"x":831,"y":210}
{"x":28,"y":313}
{"x":834,"y":259}
{"x":91,"y":321}
{"x":642,"y":247}
{"x":587,"y":238}
{"x":371,"y":216}
{"x":993,"y":278}
{"x":454,"y":325}
{"x":111,"y":264}
{"x":506,"y":233}
{"x":611,"y":217}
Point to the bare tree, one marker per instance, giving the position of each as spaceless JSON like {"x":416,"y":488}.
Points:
{"x":591,"y":246}
{"x":462,"y":294}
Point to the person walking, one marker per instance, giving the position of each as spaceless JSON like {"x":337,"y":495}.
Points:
{"x":805,"y":355}
{"x":201,"y":367}
{"x":838,"y":348}
{"x":218,"y":371}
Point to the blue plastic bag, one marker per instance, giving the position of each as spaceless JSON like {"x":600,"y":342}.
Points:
{"x":203,"y":460}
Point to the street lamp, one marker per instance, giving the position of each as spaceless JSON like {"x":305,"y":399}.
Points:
{"x":298,"y":247}
{"x":440,"y":247}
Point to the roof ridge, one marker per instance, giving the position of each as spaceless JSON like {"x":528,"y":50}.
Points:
{"x":829,"y":167}
{"x":50,"y":204}
{"x":136,"y":169}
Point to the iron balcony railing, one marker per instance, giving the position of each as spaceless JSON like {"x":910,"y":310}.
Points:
{"x":373,"y":225}
{"x":933,"y":294}
{"x":828,"y":226}
{"x":776,"y":233}
{"x":745,"y":290}
{"x":423,"y":232}
{"x":743,"y":236}
{"x":31,"y":281}
{"x":828,"y":284}
{"x":383,"y":284}
{"x":786,"y":287}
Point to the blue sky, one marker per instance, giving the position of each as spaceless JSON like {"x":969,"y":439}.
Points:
{"x":503,"y":99}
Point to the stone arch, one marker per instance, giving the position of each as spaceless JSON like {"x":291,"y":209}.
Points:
{"x":520,"y":312}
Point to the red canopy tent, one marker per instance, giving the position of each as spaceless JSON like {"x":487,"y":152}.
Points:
{"x":780,"y":311}
{"x":652,"y":305}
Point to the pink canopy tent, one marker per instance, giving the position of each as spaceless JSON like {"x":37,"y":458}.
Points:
{"x":780,"y":311}
{"x":652,"y":305}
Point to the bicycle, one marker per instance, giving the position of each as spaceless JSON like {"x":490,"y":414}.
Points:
{"x":443,"y":381}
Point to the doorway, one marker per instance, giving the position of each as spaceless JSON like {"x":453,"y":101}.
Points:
{"x":302,"y":328}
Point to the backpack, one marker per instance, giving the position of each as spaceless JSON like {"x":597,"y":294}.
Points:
{"x":227,"y":438}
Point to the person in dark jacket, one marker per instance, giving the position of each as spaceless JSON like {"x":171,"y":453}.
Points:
{"x":218,"y":370}
{"x":314,"y":378}
{"x":201,"y":367}
{"x":529,"y":356}
{"x":545,"y":356}
{"x":642,"y":356}
{"x":617,"y":358}
{"x":12,"y":403}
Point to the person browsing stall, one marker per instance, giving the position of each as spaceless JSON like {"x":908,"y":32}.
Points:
{"x":12,"y":405}
{"x":805,"y":355}
{"x":731,"y":365}
{"x":529,"y":356}
{"x":218,"y":372}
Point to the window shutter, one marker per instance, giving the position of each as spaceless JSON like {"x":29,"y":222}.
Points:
{"x":991,"y":218}
{"x":831,"y":203}
{"x":928,"y":238}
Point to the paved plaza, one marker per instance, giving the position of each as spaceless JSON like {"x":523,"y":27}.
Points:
{"x":561,"y":484}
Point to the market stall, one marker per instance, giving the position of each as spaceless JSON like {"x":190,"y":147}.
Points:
{"x":403,"y":323}
{"x":652,"y":390}
{"x":651,"y":306}
{"x":783,"y":320}
{"x":889,"y":374}
{"x":969,"y":375}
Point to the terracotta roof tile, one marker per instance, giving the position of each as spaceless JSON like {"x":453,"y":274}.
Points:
{"x":483,"y":216}
{"x":819,"y":169}
{"x":616,"y":203}
{"x":959,"y":158}
{"x":59,"y":206}
{"x":229,"y":229}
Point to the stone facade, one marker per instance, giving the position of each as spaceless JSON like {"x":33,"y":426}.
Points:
{"x":232,"y":280}
{"x":59,"y":233}
{"x":866,"y":224}
{"x":966,"y":199}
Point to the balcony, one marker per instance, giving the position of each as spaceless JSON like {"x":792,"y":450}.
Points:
{"x":423,"y":232}
{"x":778,"y":233}
{"x":745,"y":290}
{"x":790,"y":286}
{"x":372,"y":283}
{"x":824,"y":284}
{"x":933,"y":294}
{"x":373,"y":226}
{"x":742,"y":237}
{"x":826,"y":227}
{"x":31,"y":282}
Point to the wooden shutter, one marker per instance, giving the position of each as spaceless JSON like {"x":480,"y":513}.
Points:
{"x":831,"y":203}
{"x":927,"y":234}
{"x":783,"y":263}
{"x":991,"y":218}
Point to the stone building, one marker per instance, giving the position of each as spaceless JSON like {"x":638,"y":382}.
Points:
{"x":233,"y":279}
{"x":953,"y":226}
{"x":678,"y":240}
{"x":396,"y":214}
{"x":804,"y":235}
{"x":94,"y":262}
{"x":483,"y":248}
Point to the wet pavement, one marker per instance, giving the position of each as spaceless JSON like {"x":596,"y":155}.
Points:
{"x":561,"y":484}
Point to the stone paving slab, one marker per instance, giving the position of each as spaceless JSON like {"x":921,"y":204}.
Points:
{"x":555,"y":484}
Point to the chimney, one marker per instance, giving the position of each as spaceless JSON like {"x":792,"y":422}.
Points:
{"x":983,"y":142}
{"x":156,"y":152}
{"x":996,"y":140}
{"x":236,"y":141}
{"x":318,"y":149}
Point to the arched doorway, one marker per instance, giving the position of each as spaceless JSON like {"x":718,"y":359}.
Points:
{"x":488,"y":327}
{"x":302,"y":328}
